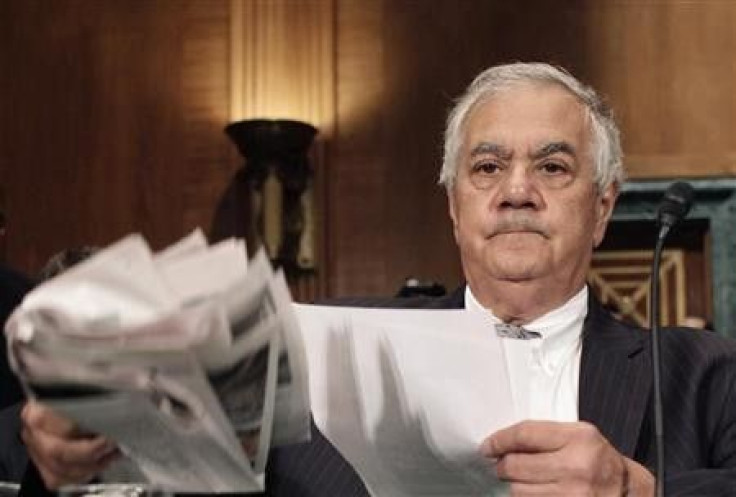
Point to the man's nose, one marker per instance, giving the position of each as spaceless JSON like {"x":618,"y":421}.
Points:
{"x":518,"y":189}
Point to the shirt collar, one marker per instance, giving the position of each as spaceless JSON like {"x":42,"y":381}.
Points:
{"x":560,"y":328}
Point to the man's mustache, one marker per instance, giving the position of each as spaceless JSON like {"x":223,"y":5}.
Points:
{"x":518,"y":224}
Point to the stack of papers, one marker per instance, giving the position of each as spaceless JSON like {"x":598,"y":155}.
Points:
{"x":189,"y":358}
{"x":407,"y":396}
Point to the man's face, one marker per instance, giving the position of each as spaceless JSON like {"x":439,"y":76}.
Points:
{"x":524,"y":205}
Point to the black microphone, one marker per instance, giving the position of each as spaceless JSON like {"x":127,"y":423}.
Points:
{"x":675,"y":204}
{"x":674,"y":207}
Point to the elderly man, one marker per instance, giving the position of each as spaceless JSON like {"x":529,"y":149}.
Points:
{"x":532,"y":169}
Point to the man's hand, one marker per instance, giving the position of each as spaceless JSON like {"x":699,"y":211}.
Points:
{"x":552,"y":458}
{"x":62,"y":453}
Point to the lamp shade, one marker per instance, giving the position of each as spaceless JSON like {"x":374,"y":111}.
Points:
{"x":266,"y":138}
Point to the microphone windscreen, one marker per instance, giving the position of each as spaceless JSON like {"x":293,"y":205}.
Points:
{"x":676,"y":203}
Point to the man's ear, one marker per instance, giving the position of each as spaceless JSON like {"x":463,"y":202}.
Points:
{"x":451,"y":209}
{"x":605,"y":202}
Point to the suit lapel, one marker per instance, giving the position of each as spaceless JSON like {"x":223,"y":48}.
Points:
{"x":615,"y":379}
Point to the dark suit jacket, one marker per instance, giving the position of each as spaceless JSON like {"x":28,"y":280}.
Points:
{"x":13,"y":455}
{"x":699,"y":393}
{"x":615,"y":382}
{"x":13,"y":287}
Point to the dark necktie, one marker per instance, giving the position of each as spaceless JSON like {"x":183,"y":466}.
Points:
{"x":507,"y":330}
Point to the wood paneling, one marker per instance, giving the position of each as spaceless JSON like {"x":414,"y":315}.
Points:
{"x":112,"y":119}
{"x":283,"y":66}
{"x":666,"y":66}
{"x":209,"y":158}
{"x":112,"y":112}
{"x":669,"y":71}
{"x":357,"y":199}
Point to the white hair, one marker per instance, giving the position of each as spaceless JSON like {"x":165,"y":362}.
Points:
{"x":606,"y":143}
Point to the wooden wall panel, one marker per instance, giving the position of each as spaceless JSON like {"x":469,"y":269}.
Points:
{"x":669,"y":71}
{"x":103,"y":121}
{"x":210,"y":159}
{"x":112,"y":114}
{"x":666,"y":66}
{"x":357,"y":202}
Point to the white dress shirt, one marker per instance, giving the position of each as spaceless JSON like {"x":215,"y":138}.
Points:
{"x":544,"y":372}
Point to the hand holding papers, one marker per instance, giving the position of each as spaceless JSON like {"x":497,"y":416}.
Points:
{"x":407,"y":396}
{"x":179,"y":356}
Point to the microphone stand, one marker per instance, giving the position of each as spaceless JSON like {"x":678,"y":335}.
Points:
{"x":656,"y":361}
{"x":675,"y":205}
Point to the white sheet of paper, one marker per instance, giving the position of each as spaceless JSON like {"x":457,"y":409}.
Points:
{"x":206,"y":272}
{"x":407,"y":396}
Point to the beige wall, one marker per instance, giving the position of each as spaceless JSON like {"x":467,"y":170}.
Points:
{"x":113,"y":114}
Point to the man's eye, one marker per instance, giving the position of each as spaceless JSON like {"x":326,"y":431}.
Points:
{"x":486,"y":168}
{"x":553,"y":168}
